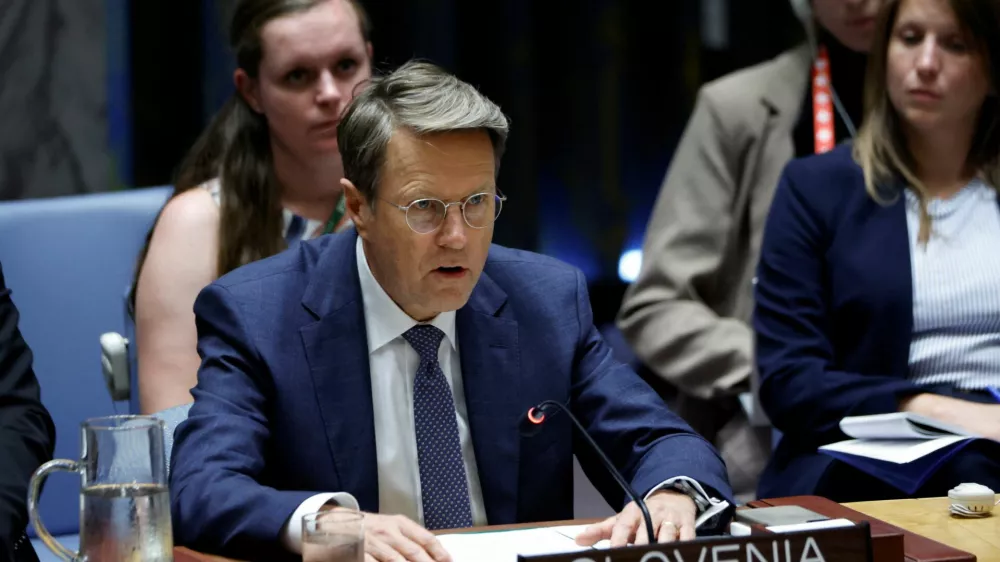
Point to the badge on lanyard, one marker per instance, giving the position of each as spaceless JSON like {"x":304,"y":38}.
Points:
{"x":822,"y":94}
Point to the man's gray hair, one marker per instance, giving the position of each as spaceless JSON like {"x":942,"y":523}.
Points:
{"x":421,"y":98}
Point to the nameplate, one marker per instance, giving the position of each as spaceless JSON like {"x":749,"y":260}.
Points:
{"x":828,"y":545}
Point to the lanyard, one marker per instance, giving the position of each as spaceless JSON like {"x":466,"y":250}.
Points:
{"x":822,"y":103}
{"x":338,"y":213}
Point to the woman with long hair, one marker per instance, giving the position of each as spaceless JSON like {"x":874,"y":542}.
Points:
{"x":879,"y":279}
{"x":264,"y":174}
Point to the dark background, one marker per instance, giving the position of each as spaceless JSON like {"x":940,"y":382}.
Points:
{"x":598,"y":92}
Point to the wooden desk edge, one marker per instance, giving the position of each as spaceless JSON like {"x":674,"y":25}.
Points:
{"x":182,"y":554}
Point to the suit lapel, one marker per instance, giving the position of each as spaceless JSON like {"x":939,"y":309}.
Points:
{"x":336,"y":349}
{"x":782,"y":89}
{"x":785,"y":87}
{"x":490,"y":369}
{"x":782,"y":96}
{"x":896,"y":269}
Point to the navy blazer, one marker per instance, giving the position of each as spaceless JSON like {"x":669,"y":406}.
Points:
{"x":283,"y":405}
{"x":834,"y":313}
{"x":27,"y":435}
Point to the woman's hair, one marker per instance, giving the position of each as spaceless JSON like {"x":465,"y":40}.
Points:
{"x":880,"y":148}
{"x":235,"y":147}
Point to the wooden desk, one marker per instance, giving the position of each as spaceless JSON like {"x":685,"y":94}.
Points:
{"x":182,"y":554}
{"x":929,"y":517}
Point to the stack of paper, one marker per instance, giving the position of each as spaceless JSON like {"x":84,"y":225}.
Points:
{"x":901,"y":448}
{"x":505,"y":546}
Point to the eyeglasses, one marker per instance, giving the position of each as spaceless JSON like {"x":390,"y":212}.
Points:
{"x":479,"y":210}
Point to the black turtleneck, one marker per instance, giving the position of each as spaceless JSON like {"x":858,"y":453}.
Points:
{"x":847,"y":72}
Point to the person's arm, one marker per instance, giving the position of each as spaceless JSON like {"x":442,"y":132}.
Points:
{"x":180,"y":262}
{"x":217,"y":502}
{"x":665,"y":316}
{"x":27,"y":435}
{"x":803,"y":395}
{"x":980,"y":419}
{"x":652,"y":447}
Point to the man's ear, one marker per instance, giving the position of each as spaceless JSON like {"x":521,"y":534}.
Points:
{"x":358,"y":209}
{"x":247,"y":88}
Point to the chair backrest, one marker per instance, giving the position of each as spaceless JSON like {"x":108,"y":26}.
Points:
{"x":67,"y":261}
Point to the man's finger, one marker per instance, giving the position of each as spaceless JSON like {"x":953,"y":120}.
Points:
{"x":411,"y":551}
{"x":427,"y":541}
{"x":667,"y":532}
{"x":688,"y":532}
{"x":398,"y":539}
{"x":596,"y":532}
{"x":381,"y":551}
{"x":641,"y":537}
{"x":623,"y":530}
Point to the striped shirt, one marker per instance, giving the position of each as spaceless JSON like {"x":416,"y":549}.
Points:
{"x":956,"y":290}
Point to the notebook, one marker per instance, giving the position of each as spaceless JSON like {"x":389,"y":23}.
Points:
{"x":901,"y":448}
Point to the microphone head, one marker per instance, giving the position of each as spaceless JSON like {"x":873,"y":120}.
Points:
{"x":532,"y":421}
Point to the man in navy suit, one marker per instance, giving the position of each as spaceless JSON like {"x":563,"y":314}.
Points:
{"x":387,"y":369}
{"x":27,"y":435}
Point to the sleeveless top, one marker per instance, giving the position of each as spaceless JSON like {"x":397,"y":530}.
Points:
{"x":295,"y":229}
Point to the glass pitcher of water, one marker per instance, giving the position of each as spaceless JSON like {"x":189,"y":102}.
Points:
{"x":124,"y":504}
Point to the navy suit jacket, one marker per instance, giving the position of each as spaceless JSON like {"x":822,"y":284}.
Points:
{"x":834,"y":313}
{"x":283,"y":405}
{"x":27,"y":435}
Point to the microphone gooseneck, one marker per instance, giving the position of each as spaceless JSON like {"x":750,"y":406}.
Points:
{"x":532,"y":422}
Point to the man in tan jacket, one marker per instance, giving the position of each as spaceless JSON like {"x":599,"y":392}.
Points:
{"x":687,"y":315}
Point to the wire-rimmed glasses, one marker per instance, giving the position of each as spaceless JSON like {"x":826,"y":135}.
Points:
{"x":479,"y":210}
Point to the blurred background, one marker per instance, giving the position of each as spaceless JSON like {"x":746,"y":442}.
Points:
{"x":99,"y":95}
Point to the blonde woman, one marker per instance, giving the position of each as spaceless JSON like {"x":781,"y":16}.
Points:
{"x":879,"y":279}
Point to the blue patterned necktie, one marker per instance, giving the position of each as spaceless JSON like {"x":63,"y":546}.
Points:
{"x":444,"y":489}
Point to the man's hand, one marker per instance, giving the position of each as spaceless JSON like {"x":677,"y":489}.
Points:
{"x":395,"y":538}
{"x":672,"y":512}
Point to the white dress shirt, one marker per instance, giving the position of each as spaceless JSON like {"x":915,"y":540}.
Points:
{"x":393,"y":365}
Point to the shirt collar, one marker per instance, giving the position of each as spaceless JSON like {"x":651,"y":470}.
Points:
{"x":384,"y":320}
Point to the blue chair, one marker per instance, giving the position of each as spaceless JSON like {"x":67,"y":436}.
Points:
{"x":68,"y":261}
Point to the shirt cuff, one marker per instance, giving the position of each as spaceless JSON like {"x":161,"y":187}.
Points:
{"x":291,"y":533}
{"x":708,"y":509}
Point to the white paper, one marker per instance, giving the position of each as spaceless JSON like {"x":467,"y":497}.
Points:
{"x":571,"y":532}
{"x":811,"y":526}
{"x":899,"y":451}
{"x":898,"y":425}
{"x":504,"y":546}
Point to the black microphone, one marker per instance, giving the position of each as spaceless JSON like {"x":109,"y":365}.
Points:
{"x":532,"y":424}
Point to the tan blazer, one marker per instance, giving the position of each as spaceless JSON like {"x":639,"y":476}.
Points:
{"x":687,"y":314}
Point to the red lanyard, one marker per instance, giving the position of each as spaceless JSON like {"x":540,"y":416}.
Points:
{"x":822,"y":103}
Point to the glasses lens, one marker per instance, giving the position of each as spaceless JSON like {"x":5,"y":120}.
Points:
{"x":424,"y":215}
{"x":481,"y":209}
